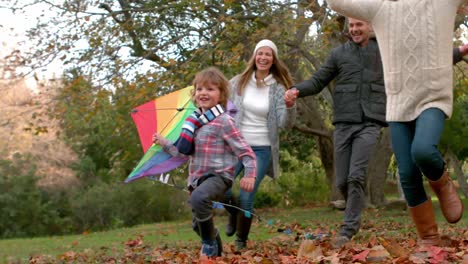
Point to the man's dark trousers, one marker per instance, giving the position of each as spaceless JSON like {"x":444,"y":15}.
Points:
{"x":354,"y":144}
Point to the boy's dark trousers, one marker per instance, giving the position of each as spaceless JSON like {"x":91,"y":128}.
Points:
{"x":209,"y":188}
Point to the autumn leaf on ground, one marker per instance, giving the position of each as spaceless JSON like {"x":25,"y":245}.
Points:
{"x":378,"y":254}
{"x":417,"y":259}
{"x":136,"y":242}
{"x":332,"y":259}
{"x":394,"y":248}
{"x":68,"y":256}
{"x":310,"y":250}
{"x":361,"y":257}
{"x":437,"y":254}
{"x":287,"y":259}
{"x":431,"y":254}
{"x":465,"y":259}
{"x":205,"y":260}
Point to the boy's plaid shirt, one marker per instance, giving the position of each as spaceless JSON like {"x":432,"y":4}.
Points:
{"x":219,"y":146}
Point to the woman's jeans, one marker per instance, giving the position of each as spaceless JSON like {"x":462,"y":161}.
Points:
{"x":246,"y":199}
{"x":415,"y":146}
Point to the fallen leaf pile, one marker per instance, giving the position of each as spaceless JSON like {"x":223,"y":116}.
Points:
{"x":291,"y":245}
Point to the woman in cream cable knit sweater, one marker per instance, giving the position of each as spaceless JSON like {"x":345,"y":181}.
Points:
{"x":415,"y":39}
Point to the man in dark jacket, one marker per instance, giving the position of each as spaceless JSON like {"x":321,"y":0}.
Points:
{"x":359,"y":104}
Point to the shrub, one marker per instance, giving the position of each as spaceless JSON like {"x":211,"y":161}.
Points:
{"x":26,"y":209}
{"x":302,"y":181}
{"x":266,"y":198}
{"x":105,"y":206}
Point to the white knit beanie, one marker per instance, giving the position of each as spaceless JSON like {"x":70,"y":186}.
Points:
{"x":267,"y":43}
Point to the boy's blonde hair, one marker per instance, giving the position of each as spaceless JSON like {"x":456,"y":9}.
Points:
{"x":212,"y":75}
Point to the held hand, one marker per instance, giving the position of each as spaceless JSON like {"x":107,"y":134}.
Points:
{"x":290,"y":97}
{"x":247,"y":183}
{"x":158,"y":139}
{"x":463,"y":50}
{"x":463,"y":10}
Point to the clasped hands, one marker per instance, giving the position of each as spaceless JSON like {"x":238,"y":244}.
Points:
{"x":290,"y":97}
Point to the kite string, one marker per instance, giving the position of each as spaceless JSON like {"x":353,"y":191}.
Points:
{"x":216,"y":204}
{"x":160,"y":109}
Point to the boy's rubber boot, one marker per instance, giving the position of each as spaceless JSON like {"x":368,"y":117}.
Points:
{"x":450,"y":203}
{"x":219,"y":242}
{"x":424,"y":219}
{"x":208,"y":236}
{"x":231,"y":226}
{"x":243,"y":229}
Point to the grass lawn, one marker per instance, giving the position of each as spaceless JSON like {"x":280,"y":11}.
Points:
{"x":273,"y":223}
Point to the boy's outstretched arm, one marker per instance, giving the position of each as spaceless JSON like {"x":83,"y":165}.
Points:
{"x":166,"y":145}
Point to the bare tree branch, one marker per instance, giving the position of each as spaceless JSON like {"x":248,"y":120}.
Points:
{"x":312,"y":131}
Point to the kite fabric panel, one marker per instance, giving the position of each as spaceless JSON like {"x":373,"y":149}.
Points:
{"x":164,"y":115}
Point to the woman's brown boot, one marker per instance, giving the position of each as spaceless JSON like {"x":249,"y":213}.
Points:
{"x":449,"y":201}
{"x":424,"y":219}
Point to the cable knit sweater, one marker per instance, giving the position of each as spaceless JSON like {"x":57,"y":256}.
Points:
{"x":279,"y":116}
{"x":415,"y":40}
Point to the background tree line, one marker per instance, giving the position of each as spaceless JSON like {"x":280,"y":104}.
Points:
{"x":119,"y":54}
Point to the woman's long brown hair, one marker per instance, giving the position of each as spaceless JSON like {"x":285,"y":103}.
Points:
{"x":279,"y":70}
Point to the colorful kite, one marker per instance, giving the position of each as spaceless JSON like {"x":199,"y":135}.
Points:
{"x":164,"y":115}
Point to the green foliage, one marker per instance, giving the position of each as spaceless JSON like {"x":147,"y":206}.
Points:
{"x":267,"y":196}
{"x":167,"y":42}
{"x":85,"y":170}
{"x":303,"y":178}
{"x":456,"y":132}
{"x":26,"y":209}
{"x":456,"y":128}
{"x":107,"y":206}
{"x":302,"y":181}
{"x":97,"y":124}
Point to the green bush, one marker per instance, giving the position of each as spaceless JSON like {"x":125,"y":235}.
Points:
{"x":146,"y":201}
{"x":26,"y":210}
{"x":105,"y":206}
{"x":265,"y":198}
{"x":302,"y":181}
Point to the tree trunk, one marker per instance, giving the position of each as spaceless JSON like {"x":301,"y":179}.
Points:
{"x":309,"y":111}
{"x":328,"y":161}
{"x":377,"y":170}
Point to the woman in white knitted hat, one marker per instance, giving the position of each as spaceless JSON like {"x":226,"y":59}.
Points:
{"x":258,"y":94}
